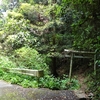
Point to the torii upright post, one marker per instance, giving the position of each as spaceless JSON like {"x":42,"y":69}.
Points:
{"x":71,"y":64}
{"x":95,"y":63}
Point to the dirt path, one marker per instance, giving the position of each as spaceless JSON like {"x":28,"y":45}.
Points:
{"x":81,"y":79}
{"x":14,"y":92}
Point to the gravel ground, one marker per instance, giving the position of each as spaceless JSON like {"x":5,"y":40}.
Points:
{"x":14,"y":92}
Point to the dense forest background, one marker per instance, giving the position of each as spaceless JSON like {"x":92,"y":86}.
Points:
{"x":34,"y":34}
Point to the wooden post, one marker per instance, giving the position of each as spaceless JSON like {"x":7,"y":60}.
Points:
{"x":30,"y":72}
{"x":71,"y":64}
{"x":95,"y":64}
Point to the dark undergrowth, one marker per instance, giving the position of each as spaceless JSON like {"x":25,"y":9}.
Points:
{"x":94,"y":84}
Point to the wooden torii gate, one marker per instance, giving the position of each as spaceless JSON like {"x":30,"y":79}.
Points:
{"x":79,"y":54}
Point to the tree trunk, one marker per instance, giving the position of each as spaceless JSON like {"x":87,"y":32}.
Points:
{"x":53,"y":68}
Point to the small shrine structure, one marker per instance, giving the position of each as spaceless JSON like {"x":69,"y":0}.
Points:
{"x":79,"y":54}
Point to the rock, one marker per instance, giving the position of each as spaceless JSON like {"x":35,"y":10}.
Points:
{"x":81,"y":95}
{"x":4,"y":84}
{"x":90,"y":95}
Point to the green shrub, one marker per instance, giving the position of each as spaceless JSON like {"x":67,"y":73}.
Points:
{"x":1,"y":36}
{"x":15,"y":34}
{"x":1,"y":72}
{"x":51,"y":82}
{"x":48,"y":81}
{"x":93,"y":83}
{"x":30,"y":58}
{"x":29,"y":12}
{"x":15,"y":15}
{"x":29,"y":83}
{"x":14,"y":26}
{"x":24,"y":8}
{"x":6,"y":62}
{"x":19,"y":40}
